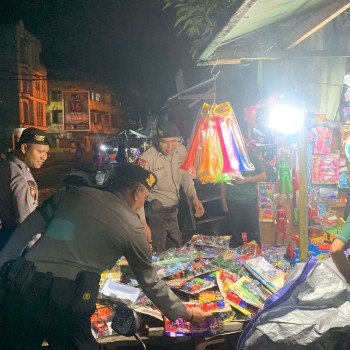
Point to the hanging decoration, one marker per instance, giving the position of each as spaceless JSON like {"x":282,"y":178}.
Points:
{"x":217,"y":152}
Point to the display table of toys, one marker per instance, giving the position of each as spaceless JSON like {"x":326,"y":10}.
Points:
{"x":232,"y":283}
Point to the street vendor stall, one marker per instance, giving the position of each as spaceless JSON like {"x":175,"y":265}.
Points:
{"x":233,"y":284}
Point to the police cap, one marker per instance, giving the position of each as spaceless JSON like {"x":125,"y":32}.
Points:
{"x":136,"y":173}
{"x":33,"y":135}
{"x":167,"y":129}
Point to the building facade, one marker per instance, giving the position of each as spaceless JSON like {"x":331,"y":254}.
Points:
{"x":102,"y":109}
{"x":23,"y":83}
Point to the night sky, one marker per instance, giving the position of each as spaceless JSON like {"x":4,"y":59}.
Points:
{"x":129,"y":44}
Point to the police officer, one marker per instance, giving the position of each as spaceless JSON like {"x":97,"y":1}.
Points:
{"x":18,"y":190}
{"x":165,"y":160}
{"x":51,"y":294}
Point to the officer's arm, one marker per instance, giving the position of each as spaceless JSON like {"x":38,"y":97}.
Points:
{"x":340,"y":259}
{"x":19,"y":189}
{"x":139,"y":259}
{"x":33,"y":224}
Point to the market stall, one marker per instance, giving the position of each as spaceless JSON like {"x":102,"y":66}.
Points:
{"x":233,"y":284}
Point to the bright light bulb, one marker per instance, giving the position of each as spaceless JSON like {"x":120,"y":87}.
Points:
{"x":103,"y":147}
{"x":286,"y":119}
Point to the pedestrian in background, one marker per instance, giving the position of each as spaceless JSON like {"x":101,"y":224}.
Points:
{"x":18,"y":190}
{"x":79,"y":153}
{"x":94,"y":156}
{"x":165,"y":159}
{"x":52,"y":293}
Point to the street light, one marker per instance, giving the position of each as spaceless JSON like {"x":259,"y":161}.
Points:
{"x":286,"y":119}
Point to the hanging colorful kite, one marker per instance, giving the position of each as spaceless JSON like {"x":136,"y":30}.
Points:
{"x":217,"y":152}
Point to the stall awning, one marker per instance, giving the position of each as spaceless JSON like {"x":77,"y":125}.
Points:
{"x":264,"y":29}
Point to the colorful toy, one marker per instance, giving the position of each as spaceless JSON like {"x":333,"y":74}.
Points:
{"x":343,"y":181}
{"x":325,"y":169}
{"x":217,"y":152}
{"x":180,"y":327}
{"x":322,"y":137}
{"x":266,"y":202}
{"x":284,"y":175}
{"x":281,"y":220}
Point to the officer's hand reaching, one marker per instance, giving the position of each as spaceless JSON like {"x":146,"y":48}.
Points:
{"x":198,"y":207}
{"x":196,"y":315}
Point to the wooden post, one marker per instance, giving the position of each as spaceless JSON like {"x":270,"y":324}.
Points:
{"x":303,"y":191}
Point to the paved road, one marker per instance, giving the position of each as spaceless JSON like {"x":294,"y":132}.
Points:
{"x":50,"y":176}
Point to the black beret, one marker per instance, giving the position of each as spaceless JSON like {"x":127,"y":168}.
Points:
{"x":136,"y":173}
{"x":167,"y":129}
{"x":33,"y":135}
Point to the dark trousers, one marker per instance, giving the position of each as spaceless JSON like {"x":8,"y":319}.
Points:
{"x":27,"y":319}
{"x":5,"y":235}
{"x":243,"y":218}
{"x":165,"y":229}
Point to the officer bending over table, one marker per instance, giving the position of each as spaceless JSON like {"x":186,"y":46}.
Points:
{"x":51,"y":293}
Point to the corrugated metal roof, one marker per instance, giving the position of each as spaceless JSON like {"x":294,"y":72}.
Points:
{"x":254,"y":15}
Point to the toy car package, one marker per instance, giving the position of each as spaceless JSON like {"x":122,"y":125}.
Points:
{"x":183,"y":328}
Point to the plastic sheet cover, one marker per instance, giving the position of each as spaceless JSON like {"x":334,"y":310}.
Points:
{"x":311,"y":312}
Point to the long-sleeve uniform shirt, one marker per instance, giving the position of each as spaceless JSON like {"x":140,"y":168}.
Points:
{"x":18,"y":192}
{"x":89,"y":230}
{"x":169,"y":175}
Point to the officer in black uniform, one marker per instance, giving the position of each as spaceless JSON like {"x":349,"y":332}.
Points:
{"x":51,"y":294}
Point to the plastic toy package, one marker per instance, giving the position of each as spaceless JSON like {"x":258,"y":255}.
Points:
{"x":101,"y":322}
{"x":217,"y":152}
{"x":325,"y":169}
{"x":225,"y":282}
{"x":209,"y":252}
{"x":187,"y":270}
{"x":182,"y":328}
{"x":212,"y":241}
{"x":268,"y":275}
{"x":328,"y":194}
{"x":214,"y":301}
{"x":176,"y":260}
{"x":251,"y":291}
{"x":196,"y":285}
{"x":322,"y":138}
{"x":266,"y":202}
{"x":247,"y":251}
{"x":275,"y":256}
{"x":226,"y":261}
{"x":174,"y":255}
{"x":177,"y":282}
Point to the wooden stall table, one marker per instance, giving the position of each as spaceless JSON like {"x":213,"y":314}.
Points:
{"x":156,"y":339}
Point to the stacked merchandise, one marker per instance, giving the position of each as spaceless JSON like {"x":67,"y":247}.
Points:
{"x":232,"y":283}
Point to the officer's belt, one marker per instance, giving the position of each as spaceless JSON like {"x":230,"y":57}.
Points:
{"x":79,"y":295}
{"x":169,"y":210}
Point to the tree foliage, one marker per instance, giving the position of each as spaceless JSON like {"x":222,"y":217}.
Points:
{"x":197,"y":19}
